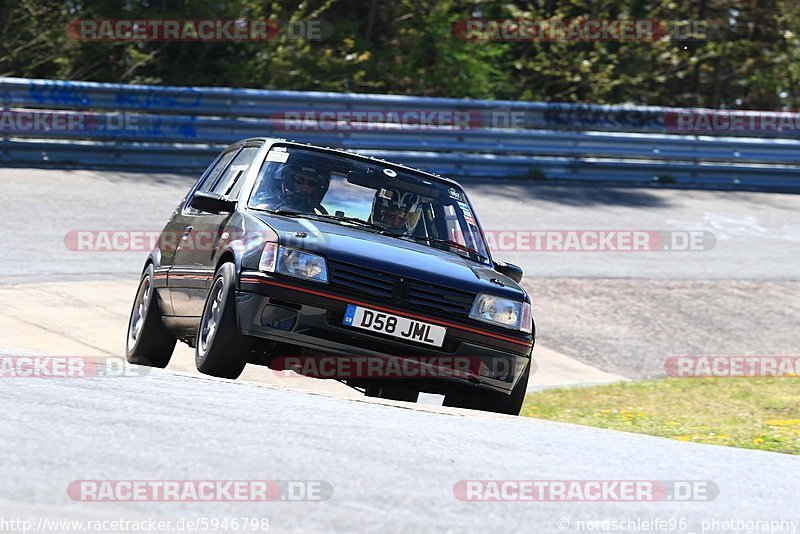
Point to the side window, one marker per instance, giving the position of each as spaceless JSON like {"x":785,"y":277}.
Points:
{"x":454,"y":232}
{"x":230,"y":181}
{"x":462,"y":227}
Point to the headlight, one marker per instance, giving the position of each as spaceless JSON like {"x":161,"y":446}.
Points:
{"x":293,"y":262}
{"x":503,"y":312}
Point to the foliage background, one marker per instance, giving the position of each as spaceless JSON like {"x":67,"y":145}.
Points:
{"x":749,"y":61}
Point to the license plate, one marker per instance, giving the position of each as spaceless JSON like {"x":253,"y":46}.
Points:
{"x":394,"y":325}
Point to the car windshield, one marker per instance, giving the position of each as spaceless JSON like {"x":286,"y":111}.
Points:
{"x":370,"y":196}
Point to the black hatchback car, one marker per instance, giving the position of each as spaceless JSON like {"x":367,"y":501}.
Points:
{"x":340,"y":266}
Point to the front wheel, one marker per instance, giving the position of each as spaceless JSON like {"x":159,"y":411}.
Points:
{"x":148,"y":342}
{"x":491,"y":401}
{"x":221,"y":350}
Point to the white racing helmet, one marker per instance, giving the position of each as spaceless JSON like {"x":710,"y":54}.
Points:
{"x":396,"y":211}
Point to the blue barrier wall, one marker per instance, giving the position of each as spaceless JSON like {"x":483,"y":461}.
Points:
{"x":85,"y":124}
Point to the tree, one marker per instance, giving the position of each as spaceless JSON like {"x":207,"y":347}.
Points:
{"x":746,"y":57}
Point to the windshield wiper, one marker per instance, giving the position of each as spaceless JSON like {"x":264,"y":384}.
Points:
{"x":360,"y":222}
{"x":341,"y":218}
{"x":453,"y":244}
{"x":287,"y":213}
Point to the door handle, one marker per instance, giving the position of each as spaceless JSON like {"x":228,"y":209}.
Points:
{"x":186,"y":232}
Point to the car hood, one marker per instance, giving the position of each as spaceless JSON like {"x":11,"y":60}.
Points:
{"x":350,"y":244}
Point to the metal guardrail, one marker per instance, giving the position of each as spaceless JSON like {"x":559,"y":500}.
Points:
{"x":226,"y":102}
{"x":182,"y":128}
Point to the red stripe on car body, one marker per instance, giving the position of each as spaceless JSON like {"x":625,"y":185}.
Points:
{"x":384,"y":309}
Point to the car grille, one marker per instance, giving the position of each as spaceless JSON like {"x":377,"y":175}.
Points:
{"x":367,"y":281}
{"x":440,"y":298}
{"x":405,"y":292}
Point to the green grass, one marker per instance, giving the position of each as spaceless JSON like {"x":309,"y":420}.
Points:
{"x":752,"y":413}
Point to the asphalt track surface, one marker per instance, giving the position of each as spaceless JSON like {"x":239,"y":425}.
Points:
{"x":391,"y":466}
{"x":756,"y":235}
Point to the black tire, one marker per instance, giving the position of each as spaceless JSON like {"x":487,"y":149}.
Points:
{"x":220,"y":349}
{"x":392,"y":393}
{"x":148,"y":341}
{"x":491,"y":401}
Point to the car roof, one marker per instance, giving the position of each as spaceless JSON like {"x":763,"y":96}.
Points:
{"x":354,"y":155}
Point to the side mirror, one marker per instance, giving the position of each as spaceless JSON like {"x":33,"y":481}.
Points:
{"x":212,"y":203}
{"x":509,"y":269}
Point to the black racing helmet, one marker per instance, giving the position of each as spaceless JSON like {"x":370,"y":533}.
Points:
{"x":297,"y":177}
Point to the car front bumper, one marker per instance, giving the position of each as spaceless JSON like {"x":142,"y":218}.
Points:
{"x":311,"y":317}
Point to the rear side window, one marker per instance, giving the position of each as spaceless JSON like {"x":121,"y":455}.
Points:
{"x":212,"y":176}
{"x":230,"y":181}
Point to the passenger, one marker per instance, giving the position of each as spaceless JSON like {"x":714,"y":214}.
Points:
{"x":395,"y":211}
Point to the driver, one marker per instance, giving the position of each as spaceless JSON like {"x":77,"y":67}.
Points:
{"x":395,"y":211}
{"x":303,"y":186}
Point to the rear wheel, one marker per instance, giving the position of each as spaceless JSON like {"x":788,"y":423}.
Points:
{"x":148,"y":342}
{"x":392,"y":393}
{"x":220,"y":349}
{"x":491,"y":401}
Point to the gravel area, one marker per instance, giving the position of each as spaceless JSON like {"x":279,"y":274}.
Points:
{"x":631,"y":326}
